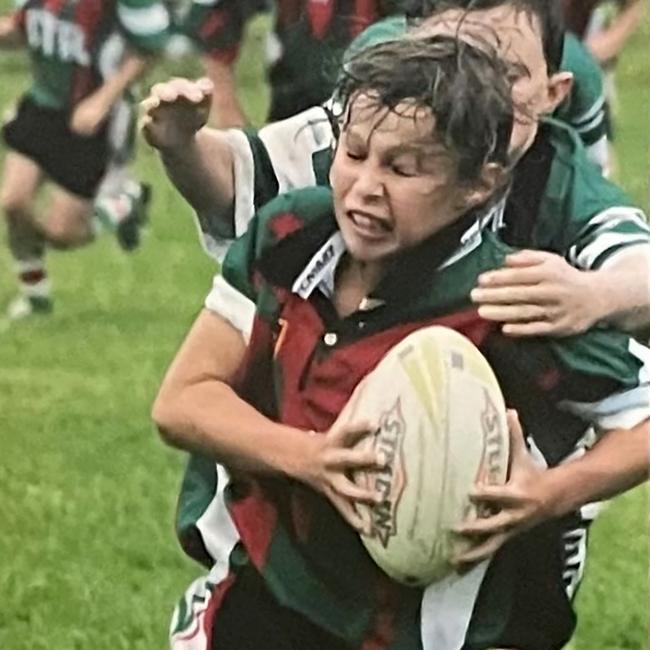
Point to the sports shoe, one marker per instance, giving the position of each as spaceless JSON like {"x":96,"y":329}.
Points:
{"x":129,"y":229}
{"x":23,"y":306}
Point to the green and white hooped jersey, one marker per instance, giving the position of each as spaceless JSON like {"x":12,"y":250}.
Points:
{"x":76,"y":44}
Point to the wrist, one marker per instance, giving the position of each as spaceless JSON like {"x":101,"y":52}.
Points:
{"x":603,"y":301}
{"x":179,"y":147}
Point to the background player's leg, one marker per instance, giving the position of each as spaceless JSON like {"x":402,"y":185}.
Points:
{"x":68,"y":222}
{"x":121,"y":205}
{"x":20,"y":183}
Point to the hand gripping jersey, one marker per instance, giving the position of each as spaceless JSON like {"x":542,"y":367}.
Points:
{"x":302,"y":364}
{"x":75,"y":44}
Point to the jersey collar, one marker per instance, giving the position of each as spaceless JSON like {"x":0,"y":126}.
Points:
{"x":320,"y":270}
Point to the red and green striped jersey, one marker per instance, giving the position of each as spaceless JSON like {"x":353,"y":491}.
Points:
{"x":75,"y":44}
{"x":303,"y":362}
{"x":217,"y":26}
{"x":307,"y":45}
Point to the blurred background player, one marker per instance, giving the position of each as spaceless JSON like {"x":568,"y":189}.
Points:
{"x":604,"y":27}
{"x":85,"y":55}
{"x":216,"y":27}
{"x":304,"y":48}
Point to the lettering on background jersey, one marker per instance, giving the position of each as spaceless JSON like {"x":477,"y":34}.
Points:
{"x":55,"y":38}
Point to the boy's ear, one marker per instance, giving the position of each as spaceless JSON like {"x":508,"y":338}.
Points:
{"x":559,"y":87}
{"x":493,"y":177}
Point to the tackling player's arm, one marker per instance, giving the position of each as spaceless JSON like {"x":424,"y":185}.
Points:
{"x":620,"y":460}
{"x":11,"y":35}
{"x":198,"y":160}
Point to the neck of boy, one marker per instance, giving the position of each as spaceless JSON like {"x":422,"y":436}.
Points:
{"x":355,"y":281}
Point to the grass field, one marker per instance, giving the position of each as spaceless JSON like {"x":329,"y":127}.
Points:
{"x":88,"y":558}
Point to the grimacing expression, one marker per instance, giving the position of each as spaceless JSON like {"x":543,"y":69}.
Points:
{"x":394,"y":184}
{"x":517,"y":37}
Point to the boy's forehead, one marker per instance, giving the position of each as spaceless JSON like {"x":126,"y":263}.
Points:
{"x":514,"y":33}
{"x":366,"y":114}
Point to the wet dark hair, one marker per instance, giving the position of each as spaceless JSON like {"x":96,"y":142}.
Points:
{"x":547,"y":12}
{"x":464,"y":87}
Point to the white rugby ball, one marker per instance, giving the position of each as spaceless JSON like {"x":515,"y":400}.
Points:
{"x":442,"y":426}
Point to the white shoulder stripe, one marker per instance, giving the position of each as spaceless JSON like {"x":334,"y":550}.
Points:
{"x":232,"y":305}
{"x":621,"y":410}
{"x":307,"y":132}
{"x":608,"y":241}
{"x":244,"y":179}
{"x":144,"y":21}
{"x":591,"y":112}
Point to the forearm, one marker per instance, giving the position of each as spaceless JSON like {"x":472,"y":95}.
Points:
{"x":608,"y":44}
{"x":10,"y":34}
{"x":208,"y":417}
{"x":198,"y":410}
{"x":622,"y":288}
{"x":203,"y":173}
{"x":618,"y":462}
{"x":130,"y":70}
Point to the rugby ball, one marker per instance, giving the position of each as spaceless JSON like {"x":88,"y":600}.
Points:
{"x":441,"y":426}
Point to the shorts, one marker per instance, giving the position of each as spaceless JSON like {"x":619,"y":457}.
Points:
{"x":74,"y":162}
{"x":526,"y":598}
{"x":250,"y":618}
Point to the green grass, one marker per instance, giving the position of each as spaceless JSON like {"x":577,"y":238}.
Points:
{"x":88,"y":557}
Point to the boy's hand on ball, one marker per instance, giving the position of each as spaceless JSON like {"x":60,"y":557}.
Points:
{"x":174,"y":111}
{"x":522,"y":503}
{"x":336,"y":456}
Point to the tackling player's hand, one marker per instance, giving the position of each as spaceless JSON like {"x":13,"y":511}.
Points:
{"x":527,"y":499}
{"x":174,"y":111}
{"x":89,"y":114}
{"x":329,"y":468}
{"x":539,"y":294}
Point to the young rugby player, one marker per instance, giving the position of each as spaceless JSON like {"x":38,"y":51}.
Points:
{"x":334,"y":279}
{"x":85,"y":55}
{"x":559,"y":203}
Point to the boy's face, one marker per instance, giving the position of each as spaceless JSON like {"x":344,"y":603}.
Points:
{"x":517,"y":37}
{"x":393,"y":184}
